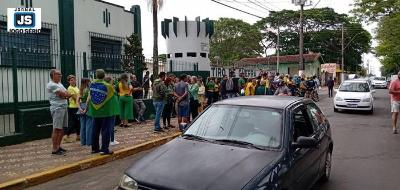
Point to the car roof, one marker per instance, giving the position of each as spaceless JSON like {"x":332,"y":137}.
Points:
{"x":276,"y":102}
{"x":356,"y":81}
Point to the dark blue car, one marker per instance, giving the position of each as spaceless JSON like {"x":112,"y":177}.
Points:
{"x":256,"y":142}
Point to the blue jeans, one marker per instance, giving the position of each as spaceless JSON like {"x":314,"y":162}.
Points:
{"x":112,"y":130}
{"x":102,"y":125}
{"x":86,"y":129}
{"x":159,"y":106}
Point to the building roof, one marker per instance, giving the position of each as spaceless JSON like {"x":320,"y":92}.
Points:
{"x":275,"y":102}
{"x":311,"y":57}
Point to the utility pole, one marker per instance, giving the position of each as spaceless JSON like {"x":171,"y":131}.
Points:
{"x":302,"y":3}
{"x":342,"y":78}
{"x":277,"y":52}
{"x":301,"y":66}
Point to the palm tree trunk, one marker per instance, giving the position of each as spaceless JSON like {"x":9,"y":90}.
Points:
{"x":155,"y":39}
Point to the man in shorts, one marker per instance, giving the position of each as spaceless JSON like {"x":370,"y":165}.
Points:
{"x":394,"y":91}
{"x":182,"y":92}
{"x":58,"y":96}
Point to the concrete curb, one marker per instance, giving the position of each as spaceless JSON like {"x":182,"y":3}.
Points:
{"x":61,"y":171}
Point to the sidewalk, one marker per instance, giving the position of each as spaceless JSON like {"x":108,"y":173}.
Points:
{"x":24,"y":159}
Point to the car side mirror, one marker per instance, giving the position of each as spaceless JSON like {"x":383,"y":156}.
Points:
{"x":305,"y":142}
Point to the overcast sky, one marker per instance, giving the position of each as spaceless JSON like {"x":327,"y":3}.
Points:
{"x":214,"y":11}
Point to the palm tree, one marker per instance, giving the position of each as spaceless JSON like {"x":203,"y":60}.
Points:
{"x":155,"y":6}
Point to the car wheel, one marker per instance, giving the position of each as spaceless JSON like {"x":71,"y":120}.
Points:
{"x":327,"y":169}
{"x":371,"y":111}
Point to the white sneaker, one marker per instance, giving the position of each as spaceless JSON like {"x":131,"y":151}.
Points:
{"x":114,"y":142}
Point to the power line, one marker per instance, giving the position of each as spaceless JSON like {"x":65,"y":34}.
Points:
{"x":243,"y":3}
{"x":237,"y":9}
{"x":316,"y":4}
{"x":257,"y":3}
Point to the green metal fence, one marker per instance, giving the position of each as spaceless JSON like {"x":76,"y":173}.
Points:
{"x":23,"y":83}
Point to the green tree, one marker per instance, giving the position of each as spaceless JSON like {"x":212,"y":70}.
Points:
{"x":233,"y":40}
{"x":322,"y":34}
{"x":155,"y":6}
{"x":387,"y":14}
{"x":133,"y":61}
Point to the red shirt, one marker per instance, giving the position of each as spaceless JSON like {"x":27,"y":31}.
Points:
{"x":395,"y":86}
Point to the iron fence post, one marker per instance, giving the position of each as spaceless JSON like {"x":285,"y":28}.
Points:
{"x":85,"y":71}
{"x":15,"y":87}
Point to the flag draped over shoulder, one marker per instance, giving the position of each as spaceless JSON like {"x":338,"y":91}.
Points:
{"x":100,"y":92}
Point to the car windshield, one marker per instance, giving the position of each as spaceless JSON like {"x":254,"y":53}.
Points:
{"x":354,"y":87}
{"x":380,"y":78}
{"x":247,"y":125}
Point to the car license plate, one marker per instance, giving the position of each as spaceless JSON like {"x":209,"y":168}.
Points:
{"x":352,"y":105}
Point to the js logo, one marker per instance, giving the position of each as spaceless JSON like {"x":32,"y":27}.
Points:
{"x":24,"y":20}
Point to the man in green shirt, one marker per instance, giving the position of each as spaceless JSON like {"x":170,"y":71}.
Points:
{"x":103,"y":111}
{"x":241,"y":83}
{"x":159,"y":93}
{"x":210,"y":88}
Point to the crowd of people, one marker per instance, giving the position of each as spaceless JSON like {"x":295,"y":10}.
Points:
{"x":95,"y":106}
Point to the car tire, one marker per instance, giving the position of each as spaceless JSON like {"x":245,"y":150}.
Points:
{"x":371,"y":111}
{"x":335,"y":109}
{"x":327,"y":168}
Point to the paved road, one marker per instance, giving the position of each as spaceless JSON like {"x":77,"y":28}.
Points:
{"x":366,"y":154}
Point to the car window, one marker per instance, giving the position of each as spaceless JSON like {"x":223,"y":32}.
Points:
{"x":259,"y":126}
{"x":354,"y":87}
{"x":301,"y":124}
{"x":317,"y":117}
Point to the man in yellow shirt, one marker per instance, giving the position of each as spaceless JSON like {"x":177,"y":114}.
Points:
{"x":73,"y":123}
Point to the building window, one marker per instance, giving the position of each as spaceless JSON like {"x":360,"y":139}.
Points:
{"x":203,"y":55}
{"x":106,"y":17}
{"x":106,"y":54}
{"x":33,"y":50}
{"x":191,"y":54}
{"x":178,"y":55}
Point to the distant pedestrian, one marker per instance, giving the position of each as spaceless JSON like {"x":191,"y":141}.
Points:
{"x":250,"y":87}
{"x":210,"y":88}
{"x":394,"y":91}
{"x":262,"y":89}
{"x":73,"y":108}
{"x":202,"y":95}
{"x":159,"y":93}
{"x":330,"y":83}
{"x":58,"y":96}
{"x":217,"y":90}
{"x":241,"y":84}
{"x":194,"y":97}
{"x":85,"y":120}
{"x":182,"y":95}
{"x":230,"y":87}
{"x":111,"y":81}
{"x":125,"y":100}
{"x":138,"y":99}
{"x":168,"y":103}
{"x":103,"y":111}
{"x":146,"y":84}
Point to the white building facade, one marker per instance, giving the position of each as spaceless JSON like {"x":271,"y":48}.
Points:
{"x":188,"y":44}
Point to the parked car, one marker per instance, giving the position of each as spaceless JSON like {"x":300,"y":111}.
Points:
{"x":256,"y":142}
{"x":354,"y":95}
{"x":379,"y":82}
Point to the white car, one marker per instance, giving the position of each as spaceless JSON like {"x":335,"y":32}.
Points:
{"x":354,"y":95}
{"x":379,"y":82}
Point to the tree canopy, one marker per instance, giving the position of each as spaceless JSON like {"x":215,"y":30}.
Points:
{"x":322,"y":34}
{"x":133,"y":61}
{"x":233,"y":40}
{"x":387,"y":14}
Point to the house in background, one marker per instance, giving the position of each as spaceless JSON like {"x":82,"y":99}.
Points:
{"x":288,"y":64}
